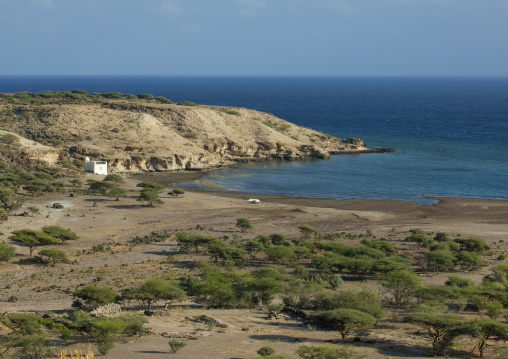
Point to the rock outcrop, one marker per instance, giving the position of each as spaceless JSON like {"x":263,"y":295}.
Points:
{"x":134,"y":136}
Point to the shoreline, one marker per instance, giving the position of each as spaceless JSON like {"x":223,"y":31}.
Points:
{"x":443,"y":205}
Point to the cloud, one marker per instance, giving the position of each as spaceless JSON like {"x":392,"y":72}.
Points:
{"x":170,"y":6}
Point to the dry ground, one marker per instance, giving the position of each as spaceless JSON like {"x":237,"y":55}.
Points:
{"x":115,"y":223}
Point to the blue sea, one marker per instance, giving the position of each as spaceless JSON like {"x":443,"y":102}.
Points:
{"x":451,"y":133}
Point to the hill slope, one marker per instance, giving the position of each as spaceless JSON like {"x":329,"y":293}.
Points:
{"x":146,"y":136}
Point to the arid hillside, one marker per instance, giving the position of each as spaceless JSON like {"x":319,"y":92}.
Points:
{"x":136,"y":135}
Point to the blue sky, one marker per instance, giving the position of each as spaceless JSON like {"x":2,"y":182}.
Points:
{"x":254,"y":37}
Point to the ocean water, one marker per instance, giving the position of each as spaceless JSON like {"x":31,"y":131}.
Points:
{"x":451,"y":133}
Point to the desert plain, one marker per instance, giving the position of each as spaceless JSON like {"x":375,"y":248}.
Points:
{"x":111,"y":223}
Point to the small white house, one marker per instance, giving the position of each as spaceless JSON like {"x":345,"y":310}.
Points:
{"x":96,"y":167}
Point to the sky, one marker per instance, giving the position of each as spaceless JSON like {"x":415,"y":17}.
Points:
{"x":254,"y":37}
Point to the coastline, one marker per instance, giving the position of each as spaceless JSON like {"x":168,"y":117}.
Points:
{"x":468,"y":207}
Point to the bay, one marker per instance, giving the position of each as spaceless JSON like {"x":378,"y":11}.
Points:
{"x":451,"y":133}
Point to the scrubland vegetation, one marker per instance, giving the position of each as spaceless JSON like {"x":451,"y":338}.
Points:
{"x":351,"y":283}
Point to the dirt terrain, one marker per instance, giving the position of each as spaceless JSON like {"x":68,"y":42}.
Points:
{"x":105,"y":221}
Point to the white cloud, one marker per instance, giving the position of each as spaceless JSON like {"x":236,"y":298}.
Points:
{"x":170,"y":6}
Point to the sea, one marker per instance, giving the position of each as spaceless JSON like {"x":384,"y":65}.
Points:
{"x":451,"y":133}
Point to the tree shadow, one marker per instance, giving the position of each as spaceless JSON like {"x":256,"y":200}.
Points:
{"x":396,"y":349}
{"x":152,"y":352}
{"x":125,"y":206}
{"x":279,"y":338}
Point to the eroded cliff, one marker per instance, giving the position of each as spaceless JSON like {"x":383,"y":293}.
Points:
{"x":137,"y":136}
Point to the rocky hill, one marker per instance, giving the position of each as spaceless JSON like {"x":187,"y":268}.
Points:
{"x":137,"y":135}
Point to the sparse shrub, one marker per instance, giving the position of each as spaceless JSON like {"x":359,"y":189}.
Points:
{"x":326,"y":352}
{"x":265,"y":351}
{"x":176,"y":345}
{"x":186,"y":103}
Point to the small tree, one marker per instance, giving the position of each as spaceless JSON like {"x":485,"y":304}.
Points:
{"x":176,"y":345}
{"x":441,"y":259}
{"x":94,"y":296}
{"x":105,"y":331}
{"x":469,"y":261}
{"x":435,"y":321}
{"x":159,"y":289}
{"x":265,"y":288}
{"x":7,"y":252}
{"x":118,"y":193}
{"x":281,"y":254}
{"x":150,"y":185}
{"x":401,"y":284}
{"x":481,"y":330}
{"x":266,"y":351}
{"x":60,"y":233}
{"x":346,"y":321}
{"x":32,"y":238}
{"x":442,"y":237}
{"x":101,"y":187}
{"x":243,"y":224}
{"x":150,"y":197}
{"x":473,"y":244}
{"x":420,"y":239}
{"x":176,"y":192}
{"x":53,"y":255}
{"x":113,"y":177}
{"x":308,"y":232}
{"x":278,"y":239}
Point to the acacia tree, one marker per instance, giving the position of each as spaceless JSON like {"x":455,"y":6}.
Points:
{"x":401,"y":284}
{"x":435,"y":321}
{"x":441,"y":259}
{"x":150,"y":186}
{"x":7,"y":252}
{"x":27,"y":337}
{"x":420,"y":239}
{"x":346,"y":321}
{"x":482,"y":330}
{"x":32,"y":238}
{"x":105,"y":331}
{"x":118,"y":193}
{"x":60,"y":233}
{"x":156,"y":289}
{"x":94,"y":296}
{"x":53,"y":255}
{"x":150,"y":197}
{"x":244,"y":224}
{"x":308,"y":232}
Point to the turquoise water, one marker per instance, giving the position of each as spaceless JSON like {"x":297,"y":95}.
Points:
{"x":451,"y":133}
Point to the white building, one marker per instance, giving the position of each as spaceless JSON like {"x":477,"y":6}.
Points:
{"x":96,"y":167}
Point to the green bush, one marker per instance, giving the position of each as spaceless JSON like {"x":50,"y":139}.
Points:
{"x":265,"y":351}
{"x":233,"y":112}
{"x":186,"y":103}
{"x":176,"y":345}
{"x":7,"y":252}
{"x":113,"y":177}
{"x":346,"y":321}
{"x":326,"y":352}
{"x":163,"y":100}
